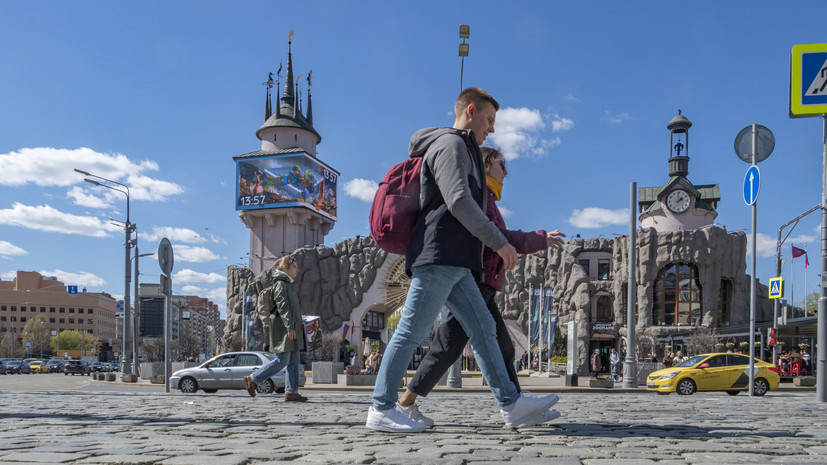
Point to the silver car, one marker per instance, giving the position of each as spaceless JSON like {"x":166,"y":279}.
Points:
{"x":227,"y":371}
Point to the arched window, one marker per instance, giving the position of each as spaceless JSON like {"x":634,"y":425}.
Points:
{"x":677,"y":299}
{"x":604,"y":309}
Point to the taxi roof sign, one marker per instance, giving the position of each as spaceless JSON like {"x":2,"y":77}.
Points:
{"x":808,"y":80}
{"x":776,"y":288}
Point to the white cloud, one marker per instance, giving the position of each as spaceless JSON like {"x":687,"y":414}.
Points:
{"x":82,"y":279}
{"x":8,"y":275}
{"x":764,"y":245}
{"x":188,"y":276}
{"x":187,"y":253}
{"x":571,"y":98}
{"x":362,"y":189}
{"x":506,"y":213}
{"x":593,"y":217}
{"x":48,"y":166}
{"x":616,"y":118}
{"x":561,"y":124}
{"x":46,"y":218}
{"x":81,"y":197}
{"x":218,"y":295}
{"x":191,"y":290}
{"x":174,"y":234}
{"x":518,"y":132}
{"x":7,"y":249}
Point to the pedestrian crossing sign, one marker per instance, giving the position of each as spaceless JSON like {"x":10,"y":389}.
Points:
{"x":808,"y":80}
{"x":776,"y":288}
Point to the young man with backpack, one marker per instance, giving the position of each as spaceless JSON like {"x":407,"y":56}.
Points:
{"x":444,"y":260}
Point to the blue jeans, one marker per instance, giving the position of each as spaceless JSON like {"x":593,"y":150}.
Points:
{"x":433,"y":286}
{"x":284,"y":359}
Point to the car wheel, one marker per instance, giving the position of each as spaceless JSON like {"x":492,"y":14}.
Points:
{"x":210,"y":391}
{"x":266,"y":387}
{"x":280,"y":390}
{"x":188,"y":385}
{"x":685,"y":387}
{"x":67,"y":374}
{"x":760,"y":387}
{"x":733,"y":393}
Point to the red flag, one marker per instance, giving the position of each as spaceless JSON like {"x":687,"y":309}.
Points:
{"x":799,"y":252}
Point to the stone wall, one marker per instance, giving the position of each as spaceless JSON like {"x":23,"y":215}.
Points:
{"x":330,"y":283}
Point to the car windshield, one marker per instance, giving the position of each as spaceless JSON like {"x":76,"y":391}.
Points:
{"x":692,"y":361}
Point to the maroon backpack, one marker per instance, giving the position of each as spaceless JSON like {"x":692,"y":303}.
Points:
{"x":395,"y":213}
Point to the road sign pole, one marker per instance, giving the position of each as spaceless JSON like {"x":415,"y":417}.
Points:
{"x":753,"y":277}
{"x":821,"y":340}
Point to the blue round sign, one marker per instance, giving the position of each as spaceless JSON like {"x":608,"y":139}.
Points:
{"x":752,"y":184}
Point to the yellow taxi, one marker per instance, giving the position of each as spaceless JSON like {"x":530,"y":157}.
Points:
{"x":38,"y":366}
{"x":714,"y":372}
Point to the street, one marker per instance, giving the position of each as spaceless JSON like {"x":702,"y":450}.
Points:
{"x":54,"y":418}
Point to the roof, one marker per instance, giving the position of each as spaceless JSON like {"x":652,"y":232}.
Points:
{"x":263,"y":153}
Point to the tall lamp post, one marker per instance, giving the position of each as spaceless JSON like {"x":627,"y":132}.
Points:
{"x":128,"y":228}
{"x":464,"y":33}
{"x":41,"y":339}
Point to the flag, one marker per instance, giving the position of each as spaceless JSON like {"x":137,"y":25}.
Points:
{"x":344,"y":331}
{"x":799,"y":252}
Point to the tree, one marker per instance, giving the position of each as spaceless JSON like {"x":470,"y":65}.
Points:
{"x":37,"y":332}
{"x":701,"y":341}
{"x":189,"y":345}
{"x":811,"y":302}
{"x":152,"y":350}
{"x":6,"y":345}
{"x":71,"y":340}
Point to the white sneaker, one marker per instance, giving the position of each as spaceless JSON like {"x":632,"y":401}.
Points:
{"x":412,"y":412}
{"x":544,"y":417}
{"x":392,"y":421}
{"x":526,"y":409}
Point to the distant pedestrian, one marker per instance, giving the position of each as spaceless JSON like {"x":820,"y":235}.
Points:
{"x":597,"y":364}
{"x":286,"y":331}
{"x":614,"y":361}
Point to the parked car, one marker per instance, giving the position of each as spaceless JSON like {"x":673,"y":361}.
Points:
{"x":114,"y":366}
{"x":2,"y":368}
{"x":97,"y":366}
{"x":17,"y":367}
{"x":55,"y":366}
{"x":76,"y":367}
{"x":714,"y":372}
{"x":227,"y":371}
{"x":37,"y":366}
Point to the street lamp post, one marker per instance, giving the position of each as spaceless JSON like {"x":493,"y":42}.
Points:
{"x":128,"y":227}
{"x":41,"y":339}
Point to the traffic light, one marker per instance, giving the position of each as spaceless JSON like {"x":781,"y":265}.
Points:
{"x":771,"y":336}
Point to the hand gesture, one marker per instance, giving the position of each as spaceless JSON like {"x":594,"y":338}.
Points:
{"x":553,"y":239}
{"x":509,"y":256}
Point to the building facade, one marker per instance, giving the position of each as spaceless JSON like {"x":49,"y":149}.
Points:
{"x":30,"y":295}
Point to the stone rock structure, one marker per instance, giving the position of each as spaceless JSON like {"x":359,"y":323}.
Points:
{"x":333,"y":282}
{"x":330,"y":284}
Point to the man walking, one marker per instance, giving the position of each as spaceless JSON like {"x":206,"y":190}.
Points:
{"x":444,"y":260}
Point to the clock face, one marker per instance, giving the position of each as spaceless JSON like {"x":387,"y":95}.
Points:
{"x":678,"y":201}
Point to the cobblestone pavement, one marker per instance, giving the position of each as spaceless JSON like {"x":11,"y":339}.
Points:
{"x":148,"y":426}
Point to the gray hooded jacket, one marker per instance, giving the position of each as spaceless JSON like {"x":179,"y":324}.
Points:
{"x":456,"y":229}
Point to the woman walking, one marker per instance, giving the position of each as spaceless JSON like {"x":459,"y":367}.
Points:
{"x":286,"y":331}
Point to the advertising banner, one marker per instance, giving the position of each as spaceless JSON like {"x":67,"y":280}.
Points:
{"x":294,"y":180}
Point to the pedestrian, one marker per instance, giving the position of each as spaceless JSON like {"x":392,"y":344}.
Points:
{"x":614,"y":361}
{"x":679,"y":358}
{"x":667,"y":359}
{"x":354,"y":360}
{"x":805,"y":359}
{"x":443,"y":258}
{"x":286,"y":331}
{"x":597,"y":364}
{"x":450,"y":339}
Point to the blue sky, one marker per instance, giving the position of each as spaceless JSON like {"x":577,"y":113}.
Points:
{"x":162,"y":95}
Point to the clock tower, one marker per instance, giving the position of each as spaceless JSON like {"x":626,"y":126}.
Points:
{"x":678,"y":204}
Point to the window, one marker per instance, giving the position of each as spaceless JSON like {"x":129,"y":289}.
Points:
{"x":23,"y":319}
{"x":51,"y":320}
{"x":2,"y":318}
{"x":62,"y":310}
{"x":23,"y":308}
{"x":247,"y":360}
{"x":585,"y":264}
{"x":62,"y":321}
{"x":42,"y":309}
{"x":374,"y":320}
{"x":80,"y":310}
{"x":603,"y":268}
{"x":604,"y":309}
{"x":51,"y":309}
{"x":724,"y":303}
{"x":89,"y":321}
{"x":677,"y":295}
{"x":71,"y":310}
{"x":90,"y":311}
{"x":71,"y":321}
{"x":13,"y":308}
{"x":3,"y":308}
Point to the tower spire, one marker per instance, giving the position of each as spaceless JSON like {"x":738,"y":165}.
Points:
{"x":288,"y":96}
{"x":309,"y":104}
{"x":268,"y":106}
